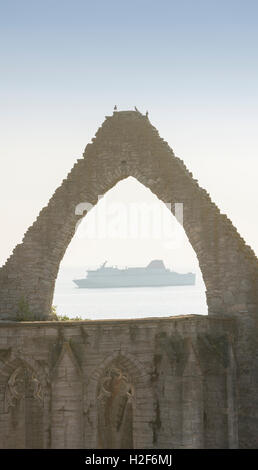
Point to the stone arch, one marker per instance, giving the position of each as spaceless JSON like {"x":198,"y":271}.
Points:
{"x":128,"y":145}
{"x":142,"y":402}
{"x":25,"y":398}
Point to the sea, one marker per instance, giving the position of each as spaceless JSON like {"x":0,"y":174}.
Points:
{"x":130,"y":302}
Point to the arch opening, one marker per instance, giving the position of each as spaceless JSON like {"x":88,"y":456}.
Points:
{"x":129,"y":227}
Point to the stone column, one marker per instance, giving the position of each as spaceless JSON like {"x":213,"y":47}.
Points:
{"x":192,"y":402}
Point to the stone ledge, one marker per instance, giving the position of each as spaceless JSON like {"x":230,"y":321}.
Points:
{"x":118,"y":322}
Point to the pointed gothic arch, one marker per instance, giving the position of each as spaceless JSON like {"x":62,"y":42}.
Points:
{"x":128,"y":145}
{"x":24,"y":411}
{"x":129,"y":411}
{"x":129,"y":218}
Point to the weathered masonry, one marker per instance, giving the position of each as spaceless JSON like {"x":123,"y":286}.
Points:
{"x":153,"y":383}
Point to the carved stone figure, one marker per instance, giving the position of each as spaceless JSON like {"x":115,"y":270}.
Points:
{"x":115,"y":411}
{"x":19,"y":383}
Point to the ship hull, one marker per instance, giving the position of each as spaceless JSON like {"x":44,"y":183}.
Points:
{"x":146,"y":281}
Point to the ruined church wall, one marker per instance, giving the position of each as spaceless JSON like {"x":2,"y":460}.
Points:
{"x":182,"y":372}
{"x":196,"y":384}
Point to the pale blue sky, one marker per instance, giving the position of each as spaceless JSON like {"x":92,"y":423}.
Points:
{"x":64,"y":64}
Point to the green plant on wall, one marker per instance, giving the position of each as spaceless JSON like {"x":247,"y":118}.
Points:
{"x":55,"y":317}
{"x":53,"y":313}
{"x":24,"y":312}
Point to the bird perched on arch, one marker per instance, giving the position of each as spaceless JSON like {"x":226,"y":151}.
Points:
{"x":147,"y":114}
{"x":115,"y":107}
{"x":137,"y":110}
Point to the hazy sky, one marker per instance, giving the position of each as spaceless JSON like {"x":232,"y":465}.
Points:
{"x":65,"y":64}
{"x":130,"y":226}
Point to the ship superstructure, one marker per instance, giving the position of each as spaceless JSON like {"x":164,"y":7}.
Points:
{"x":155,"y":274}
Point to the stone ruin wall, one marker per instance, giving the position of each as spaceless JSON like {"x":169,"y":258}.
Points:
{"x":128,"y":145}
{"x":181,"y":374}
{"x":185,"y":382}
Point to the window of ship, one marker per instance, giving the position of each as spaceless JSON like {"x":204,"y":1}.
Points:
{"x":130,"y":258}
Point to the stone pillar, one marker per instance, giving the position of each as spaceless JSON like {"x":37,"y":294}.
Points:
{"x":192,"y":402}
{"x":66,"y":403}
{"x":231,"y":399}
